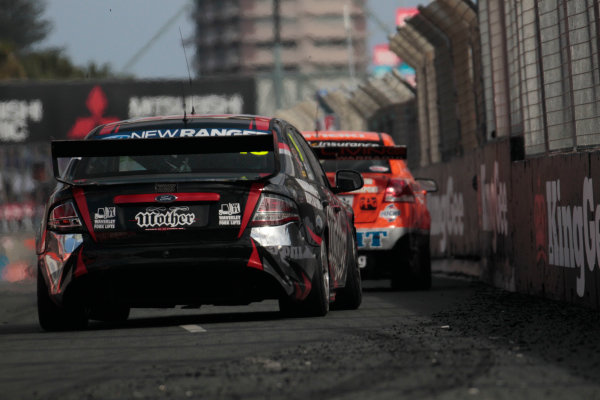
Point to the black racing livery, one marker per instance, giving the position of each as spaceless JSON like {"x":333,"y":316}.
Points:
{"x":192,"y":210}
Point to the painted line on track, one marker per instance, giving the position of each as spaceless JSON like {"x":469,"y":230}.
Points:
{"x":193,"y":328}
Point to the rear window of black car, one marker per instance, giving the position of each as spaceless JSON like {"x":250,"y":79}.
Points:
{"x":216,"y":165}
{"x":222,"y":165}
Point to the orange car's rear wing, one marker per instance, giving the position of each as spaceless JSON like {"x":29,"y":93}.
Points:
{"x":332,"y":152}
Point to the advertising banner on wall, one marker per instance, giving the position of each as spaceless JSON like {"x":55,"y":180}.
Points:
{"x":404,"y":13}
{"x":385,"y":60}
{"x":34,"y":112}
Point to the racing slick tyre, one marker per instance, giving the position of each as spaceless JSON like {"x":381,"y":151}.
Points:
{"x":350,"y":297}
{"x":414,"y":272}
{"x":316,"y":303}
{"x":422,"y":279}
{"x":53,"y":317}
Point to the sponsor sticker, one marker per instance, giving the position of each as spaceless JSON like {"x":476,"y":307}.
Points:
{"x":345,"y":144}
{"x":318,"y":222}
{"x":293,"y":252}
{"x":165,"y":198}
{"x":370,"y":239}
{"x":308,"y":187}
{"x":368,"y":203}
{"x":348,"y":200}
{"x":378,"y":168}
{"x":184,"y":132}
{"x":311,"y":194}
{"x":362,"y":261}
{"x":104,"y":218}
{"x":313,"y":201}
{"x":390,"y":213}
{"x":163,"y":218}
{"x":367,"y":189}
{"x":229,"y":214}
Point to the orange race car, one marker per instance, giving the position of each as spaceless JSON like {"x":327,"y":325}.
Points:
{"x":391,"y":217}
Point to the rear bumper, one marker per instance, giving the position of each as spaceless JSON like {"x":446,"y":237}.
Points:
{"x":379,"y":239}
{"x":269,"y":263}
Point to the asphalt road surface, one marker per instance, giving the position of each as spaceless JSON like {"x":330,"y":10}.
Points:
{"x":461,"y":340}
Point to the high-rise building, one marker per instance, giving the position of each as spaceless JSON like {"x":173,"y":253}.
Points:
{"x":316,"y":36}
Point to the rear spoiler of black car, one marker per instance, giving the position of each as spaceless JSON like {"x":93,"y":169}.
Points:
{"x":143,"y":147}
{"x":361,"y":153}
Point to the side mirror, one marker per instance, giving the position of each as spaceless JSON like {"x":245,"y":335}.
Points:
{"x":347,"y":180}
{"x":428,"y":185}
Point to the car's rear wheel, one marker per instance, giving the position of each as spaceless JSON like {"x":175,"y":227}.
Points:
{"x":414,"y":269}
{"x":316,"y":303}
{"x":54,"y":318}
{"x":350,"y":297}
{"x":423,"y":277}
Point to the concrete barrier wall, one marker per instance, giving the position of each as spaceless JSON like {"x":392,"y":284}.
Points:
{"x":560,"y":251}
{"x":533,"y":225}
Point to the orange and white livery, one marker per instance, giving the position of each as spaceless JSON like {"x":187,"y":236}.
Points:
{"x":391,"y":217}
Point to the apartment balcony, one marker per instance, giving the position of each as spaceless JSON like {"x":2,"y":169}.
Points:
{"x":209,"y":13}
{"x":329,"y":7}
{"x":253,"y":58}
{"x":218,"y":37}
{"x":331,"y":29}
{"x":263,"y":9}
{"x":255,"y":32}
{"x":331,"y":56}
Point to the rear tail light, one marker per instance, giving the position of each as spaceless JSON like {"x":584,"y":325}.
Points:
{"x":399,"y":190}
{"x":274,"y":210}
{"x":64,"y":216}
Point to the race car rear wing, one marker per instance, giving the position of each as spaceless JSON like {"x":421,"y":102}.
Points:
{"x":66,"y":149}
{"x":361,"y":153}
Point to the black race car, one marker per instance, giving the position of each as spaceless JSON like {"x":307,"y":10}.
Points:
{"x":192,"y":210}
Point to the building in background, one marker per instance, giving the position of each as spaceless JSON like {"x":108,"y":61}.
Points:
{"x":237,"y":36}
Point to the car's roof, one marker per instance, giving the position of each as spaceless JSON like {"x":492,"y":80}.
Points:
{"x":192,"y":117}
{"x":342,"y":136}
{"x":254,"y":121}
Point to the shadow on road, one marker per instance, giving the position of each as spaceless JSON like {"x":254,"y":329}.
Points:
{"x":154,"y":321}
{"x":176,"y":320}
{"x":223,"y":314}
{"x":441,"y":282}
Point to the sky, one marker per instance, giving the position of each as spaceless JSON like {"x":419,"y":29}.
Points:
{"x":117,"y":32}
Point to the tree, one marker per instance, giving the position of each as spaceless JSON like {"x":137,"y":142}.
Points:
{"x":10,"y":66}
{"x":21,"y":26}
{"x":53,"y":64}
{"x":21,"y":23}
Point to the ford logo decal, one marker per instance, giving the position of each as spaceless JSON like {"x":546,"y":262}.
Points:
{"x":165,"y":198}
